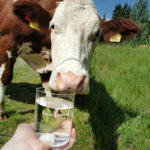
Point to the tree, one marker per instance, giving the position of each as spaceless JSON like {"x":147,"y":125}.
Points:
{"x":117,"y":11}
{"x":126,"y":10}
{"x":123,"y":12}
{"x":140,"y":14}
{"x":104,"y":17}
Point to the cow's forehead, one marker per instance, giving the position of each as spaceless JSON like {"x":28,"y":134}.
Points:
{"x":77,"y":13}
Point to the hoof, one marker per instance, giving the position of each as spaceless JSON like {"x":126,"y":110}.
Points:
{"x":3,"y":117}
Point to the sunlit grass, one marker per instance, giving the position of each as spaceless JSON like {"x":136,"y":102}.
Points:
{"x":115,"y":115}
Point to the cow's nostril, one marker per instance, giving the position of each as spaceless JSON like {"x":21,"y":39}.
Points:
{"x":58,"y":74}
{"x":70,"y":82}
{"x":81,"y":84}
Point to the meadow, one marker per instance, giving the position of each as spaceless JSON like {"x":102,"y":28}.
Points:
{"x":115,"y":115}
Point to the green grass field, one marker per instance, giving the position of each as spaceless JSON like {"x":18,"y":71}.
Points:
{"x":115,"y":115}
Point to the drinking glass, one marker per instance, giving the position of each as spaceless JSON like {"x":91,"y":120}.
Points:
{"x":51,"y":109}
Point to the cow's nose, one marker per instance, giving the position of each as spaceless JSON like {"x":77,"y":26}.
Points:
{"x":69,"y":82}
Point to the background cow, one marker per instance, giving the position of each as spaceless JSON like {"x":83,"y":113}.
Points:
{"x":74,"y":28}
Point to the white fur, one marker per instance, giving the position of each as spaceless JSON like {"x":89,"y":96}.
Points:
{"x":37,"y":61}
{"x":76,"y":21}
{"x":81,"y":2}
{"x":15,"y":1}
{"x":2,"y":88}
{"x":2,"y":68}
{"x":9,"y":54}
{"x":47,"y":89}
{"x":2,"y":91}
{"x":25,"y":48}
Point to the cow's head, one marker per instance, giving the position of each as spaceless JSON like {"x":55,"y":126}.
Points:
{"x":75,"y":29}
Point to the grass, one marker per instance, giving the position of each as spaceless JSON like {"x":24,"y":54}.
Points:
{"x":115,"y":115}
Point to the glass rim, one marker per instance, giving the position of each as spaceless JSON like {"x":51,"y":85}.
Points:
{"x":39,"y":90}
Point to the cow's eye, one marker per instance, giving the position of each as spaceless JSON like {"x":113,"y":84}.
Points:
{"x":98,"y":33}
{"x":52,"y":26}
{"x":94,"y":36}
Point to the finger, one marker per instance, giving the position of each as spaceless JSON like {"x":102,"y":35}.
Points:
{"x":72,"y":140}
{"x":73,"y":125}
{"x":65,"y":123}
{"x":73,"y":134}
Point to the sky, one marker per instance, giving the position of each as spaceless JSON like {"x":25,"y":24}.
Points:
{"x":107,"y":6}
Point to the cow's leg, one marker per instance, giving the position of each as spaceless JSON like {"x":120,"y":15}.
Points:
{"x":45,"y":79}
{"x":2,"y":113}
{"x":6,"y":75}
{"x":7,"y":60}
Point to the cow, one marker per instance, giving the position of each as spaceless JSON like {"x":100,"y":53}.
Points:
{"x":57,"y":39}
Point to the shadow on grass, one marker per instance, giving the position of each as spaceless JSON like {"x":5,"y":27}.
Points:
{"x":105,"y":115}
{"x":23,"y":92}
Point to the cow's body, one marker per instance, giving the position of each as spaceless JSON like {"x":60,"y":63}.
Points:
{"x":18,"y":37}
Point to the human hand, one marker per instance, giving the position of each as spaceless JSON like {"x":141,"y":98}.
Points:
{"x":67,"y":126}
{"x":26,"y":139}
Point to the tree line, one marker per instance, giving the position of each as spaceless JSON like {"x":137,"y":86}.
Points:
{"x":140,"y":13}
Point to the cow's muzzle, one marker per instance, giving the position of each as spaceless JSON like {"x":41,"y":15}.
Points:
{"x":70,"y":82}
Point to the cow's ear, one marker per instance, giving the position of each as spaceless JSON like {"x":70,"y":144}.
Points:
{"x":31,"y":12}
{"x":118,"y":29}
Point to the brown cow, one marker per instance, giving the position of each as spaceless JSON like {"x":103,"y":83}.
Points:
{"x":75,"y":27}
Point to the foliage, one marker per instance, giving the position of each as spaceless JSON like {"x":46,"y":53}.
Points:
{"x":104,"y":17}
{"x":120,"y":11}
{"x":140,"y":14}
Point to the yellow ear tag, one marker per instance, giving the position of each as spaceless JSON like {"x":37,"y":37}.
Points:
{"x":34,"y":25}
{"x":115,"y":38}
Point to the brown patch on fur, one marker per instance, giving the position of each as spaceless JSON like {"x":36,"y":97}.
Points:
{"x":15,"y":30}
{"x":6,"y":43}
